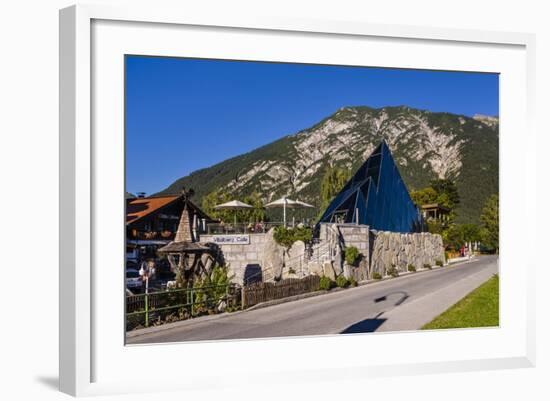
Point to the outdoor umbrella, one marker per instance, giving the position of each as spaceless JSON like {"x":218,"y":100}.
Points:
{"x":233,"y":205}
{"x":285,"y":203}
{"x":301,"y":205}
{"x":304,"y":205}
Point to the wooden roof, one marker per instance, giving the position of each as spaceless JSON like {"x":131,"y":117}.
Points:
{"x":185,"y":246}
{"x":185,"y":230}
{"x":138,"y":208}
{"x":435,"y":206}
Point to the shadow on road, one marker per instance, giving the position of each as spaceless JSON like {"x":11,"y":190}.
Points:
{"x":398,"y":302}
{"x":371,"y":325}
{"x":365,"y":326}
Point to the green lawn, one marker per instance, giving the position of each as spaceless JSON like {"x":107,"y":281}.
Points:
{"x":477,"y":309}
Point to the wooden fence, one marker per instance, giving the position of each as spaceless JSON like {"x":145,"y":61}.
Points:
{"x":261,"y":292}
{"x":154,"y":308}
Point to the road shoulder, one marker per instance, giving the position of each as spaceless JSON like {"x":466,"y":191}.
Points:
{"x":134,"y":334}
{"x":423,"y":310}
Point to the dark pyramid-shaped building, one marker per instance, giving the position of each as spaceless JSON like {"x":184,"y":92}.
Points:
{"x":376,"y":196}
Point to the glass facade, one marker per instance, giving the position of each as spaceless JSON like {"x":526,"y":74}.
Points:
{"x":376,"y":196}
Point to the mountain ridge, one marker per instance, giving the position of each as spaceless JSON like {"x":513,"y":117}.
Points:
{"x":425,"y":145}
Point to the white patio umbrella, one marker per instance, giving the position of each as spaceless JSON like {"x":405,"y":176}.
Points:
{"x":233,"y":205}
{"x":283,"y":202}
{"x":287,"y":203}
{"x":302,"y":205}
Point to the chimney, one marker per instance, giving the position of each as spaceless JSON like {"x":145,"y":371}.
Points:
{"x":141,"y":194}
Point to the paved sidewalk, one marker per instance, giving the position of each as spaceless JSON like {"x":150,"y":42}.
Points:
{"x":417,"y":313}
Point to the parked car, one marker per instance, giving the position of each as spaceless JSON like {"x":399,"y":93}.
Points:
{"x":133,"y":279}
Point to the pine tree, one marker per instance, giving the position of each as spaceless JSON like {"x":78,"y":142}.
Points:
{"x":447,"y":192}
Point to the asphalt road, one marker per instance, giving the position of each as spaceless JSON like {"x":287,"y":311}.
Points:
{"x":404,"y":303}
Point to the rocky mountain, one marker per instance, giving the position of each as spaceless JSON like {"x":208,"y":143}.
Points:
{"x":425,"y":145}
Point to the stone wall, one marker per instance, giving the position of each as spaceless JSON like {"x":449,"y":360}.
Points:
{"x":351,"y":235}
{"x":243,"y":260}
{"x":263,"y":259}
{"x":400,"y":250}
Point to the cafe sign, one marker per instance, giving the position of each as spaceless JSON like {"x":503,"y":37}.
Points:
{"x":235,"y":239}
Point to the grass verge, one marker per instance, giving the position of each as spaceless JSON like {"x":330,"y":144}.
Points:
{"x":477,"y":309}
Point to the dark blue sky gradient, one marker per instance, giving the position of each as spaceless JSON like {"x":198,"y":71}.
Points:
{"x":186,"y":114}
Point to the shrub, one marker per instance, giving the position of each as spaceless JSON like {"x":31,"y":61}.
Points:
{"x":352,"y":282}
{"x":287,"y":236}
{"x":351,"y":255}
{"x":376,"y":276}
{"x":427,"y":266}
{"x":325,"y":283}
{"x":411,"y":268}
{"x":342,"y":282}
{"x":439,"y":263}
{"x":215,"y":291}
{"x":392,"y":271}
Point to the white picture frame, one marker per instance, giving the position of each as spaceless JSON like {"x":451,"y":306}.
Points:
{"x":83,"y":349}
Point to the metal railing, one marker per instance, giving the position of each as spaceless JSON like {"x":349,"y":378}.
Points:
{"x":314,"y":252}
{"x":165,"y":235}
{"x":141,"y":309}
{"x":241,"y":228}
{"x":151,"y":235}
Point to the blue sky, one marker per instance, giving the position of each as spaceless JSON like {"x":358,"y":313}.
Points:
{"x":186,"y":114}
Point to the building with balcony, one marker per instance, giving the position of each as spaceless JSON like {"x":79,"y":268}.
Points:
{"x":152,"y":222}
{"x":435,"y":211}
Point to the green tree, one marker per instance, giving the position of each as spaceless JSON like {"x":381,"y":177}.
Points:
{"x":287,"y":236}
{"x":489,"y":219}
{"x":333,"y":181}
{"x":452,"y":237}
{"x":442,"y":192}
{"x":459,"y":234}
{"x":435,"y":227}
{"x":215,"y":198}
{"x":257,"y":213}
{"x":424,"y":196}
{"x":447,"y":193}
{"x":471,"y":232}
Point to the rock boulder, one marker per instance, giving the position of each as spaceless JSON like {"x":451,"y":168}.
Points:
{"x":272,"y":262}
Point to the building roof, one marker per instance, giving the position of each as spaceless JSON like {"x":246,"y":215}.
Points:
{"x":435,"y":206}
{"x":376,"y":196}
{"x":184,"y":247}
{"x":185,"y":230}
{"x":138,"y":208}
